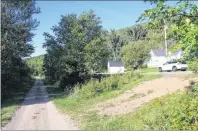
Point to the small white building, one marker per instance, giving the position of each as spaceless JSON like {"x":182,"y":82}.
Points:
{"x":158,"y":57}
{"x":115,"y":67}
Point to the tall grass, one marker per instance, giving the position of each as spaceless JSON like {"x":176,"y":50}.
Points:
{"x":83,"y":97}
{"x":95,"y":87}
{"x":177,"y":111}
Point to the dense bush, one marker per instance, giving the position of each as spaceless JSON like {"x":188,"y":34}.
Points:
{"x":135,"y":54}
{"x":193,"y":65}
{"x":182,"y":115}
{"x":144,"y":66}
{"x":95,"y":87}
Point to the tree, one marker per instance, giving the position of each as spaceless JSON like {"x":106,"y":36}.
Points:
{"x":66,"y":57}
{"x":182,"y":21}
{"x":134,"y":54}
{"x":137,"y":33}
{"x":17,"y":25}
{"x":115,"y":43}
{"x":36,"y":65}
{"x":97,"y":54}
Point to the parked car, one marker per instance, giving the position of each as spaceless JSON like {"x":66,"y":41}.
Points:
{"x":173,"y":66}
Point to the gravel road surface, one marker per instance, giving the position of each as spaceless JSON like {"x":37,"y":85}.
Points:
{"x":37,"y":112}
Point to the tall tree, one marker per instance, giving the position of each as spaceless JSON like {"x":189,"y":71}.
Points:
{"x":17,"y":25}
{"x":134,"y":54}
{"x":97,"y":54}
{"x":139,"y":32}
{"x":182,"y":21}
{"x":115,"y":43}
{"x":73,"y":37}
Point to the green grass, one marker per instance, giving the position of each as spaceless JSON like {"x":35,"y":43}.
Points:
{"x":78,"y":103}
{"x":172,"y":112}
{"x":150,"y":69}
{"x":8,"y":108}
{"x":11,"y":104}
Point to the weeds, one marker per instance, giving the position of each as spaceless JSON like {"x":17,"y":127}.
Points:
{"x":79,"y":102}
{"x":150,"y":91}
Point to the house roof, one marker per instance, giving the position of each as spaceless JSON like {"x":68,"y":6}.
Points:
{"x":115,"y":63}
{"x":176,"y":52}
{"x":159,"y":52}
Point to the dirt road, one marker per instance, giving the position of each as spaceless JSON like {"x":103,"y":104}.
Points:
{"x":145,"y":92}
{"x":37,"y":112}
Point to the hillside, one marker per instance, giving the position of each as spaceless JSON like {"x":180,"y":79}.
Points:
{"x":155,"y":38}
{"x":36,"y":65}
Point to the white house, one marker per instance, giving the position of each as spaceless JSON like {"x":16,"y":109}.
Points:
{"x":176,"y":55}
{"x":115,"y":67}
{"x":157,"y":58}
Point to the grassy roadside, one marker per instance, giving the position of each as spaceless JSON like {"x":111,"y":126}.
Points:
{"x":149,"y":69}
{"x":10,"y":105}
{"x":172,"y":112}
{"x":78,"y":103}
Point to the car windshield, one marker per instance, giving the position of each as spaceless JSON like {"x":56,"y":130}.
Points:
{"x":172,"y":62}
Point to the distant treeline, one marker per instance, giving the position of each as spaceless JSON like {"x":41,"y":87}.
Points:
{"x":36,"y":65}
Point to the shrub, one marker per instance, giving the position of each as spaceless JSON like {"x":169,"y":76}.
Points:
{"x":144,"y":66}
{"x":95,"y":87}
{"x":193,"y":65}
{"x":178,"y":113}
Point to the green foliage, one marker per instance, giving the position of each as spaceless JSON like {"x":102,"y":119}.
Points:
{"x":97,"y":55}
{"x":17,"y":25}
{"x":36,"y":65}
{"x":115,"y":43}
{"x":172,"y":112}
{"x":10,"y":105}
{"x":154,"y":37}
{"x":95,"y":87}
{"x":70,"y":55}
{"x":193,"y":65}
{"x":134,"y":54}
{"x":181,"y":20}
{"x":139,"y":32}
{"x":175,"y":48}
{"x":144,"y":66}
{"x":82,"y":99}
{"x":149,"y":69}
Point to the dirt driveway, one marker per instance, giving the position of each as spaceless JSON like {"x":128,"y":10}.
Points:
{"x":37,"y":112}
{"x":145,"y":92}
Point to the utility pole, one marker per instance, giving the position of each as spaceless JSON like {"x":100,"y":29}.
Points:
{"x":165,"y":28}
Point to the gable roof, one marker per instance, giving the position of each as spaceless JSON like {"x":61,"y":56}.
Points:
{"x":176,"y":52}
{"x":115,"y":63}
{"x":159,"y":52}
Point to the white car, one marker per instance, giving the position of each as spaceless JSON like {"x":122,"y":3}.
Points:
{"x":173,"y":66}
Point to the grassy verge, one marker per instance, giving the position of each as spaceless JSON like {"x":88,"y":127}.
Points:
{"x":80,"y":101}
{"x":173,"y":112}
{"x":11,"y":104}
{"x":150,"y":69}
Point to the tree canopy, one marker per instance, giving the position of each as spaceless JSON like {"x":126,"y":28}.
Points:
{"x":36,"y":65}
{"x":17,"y":25}
{"x":77,"y":47}
{"x":181,"y":20}
{"x":135,"y":54}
